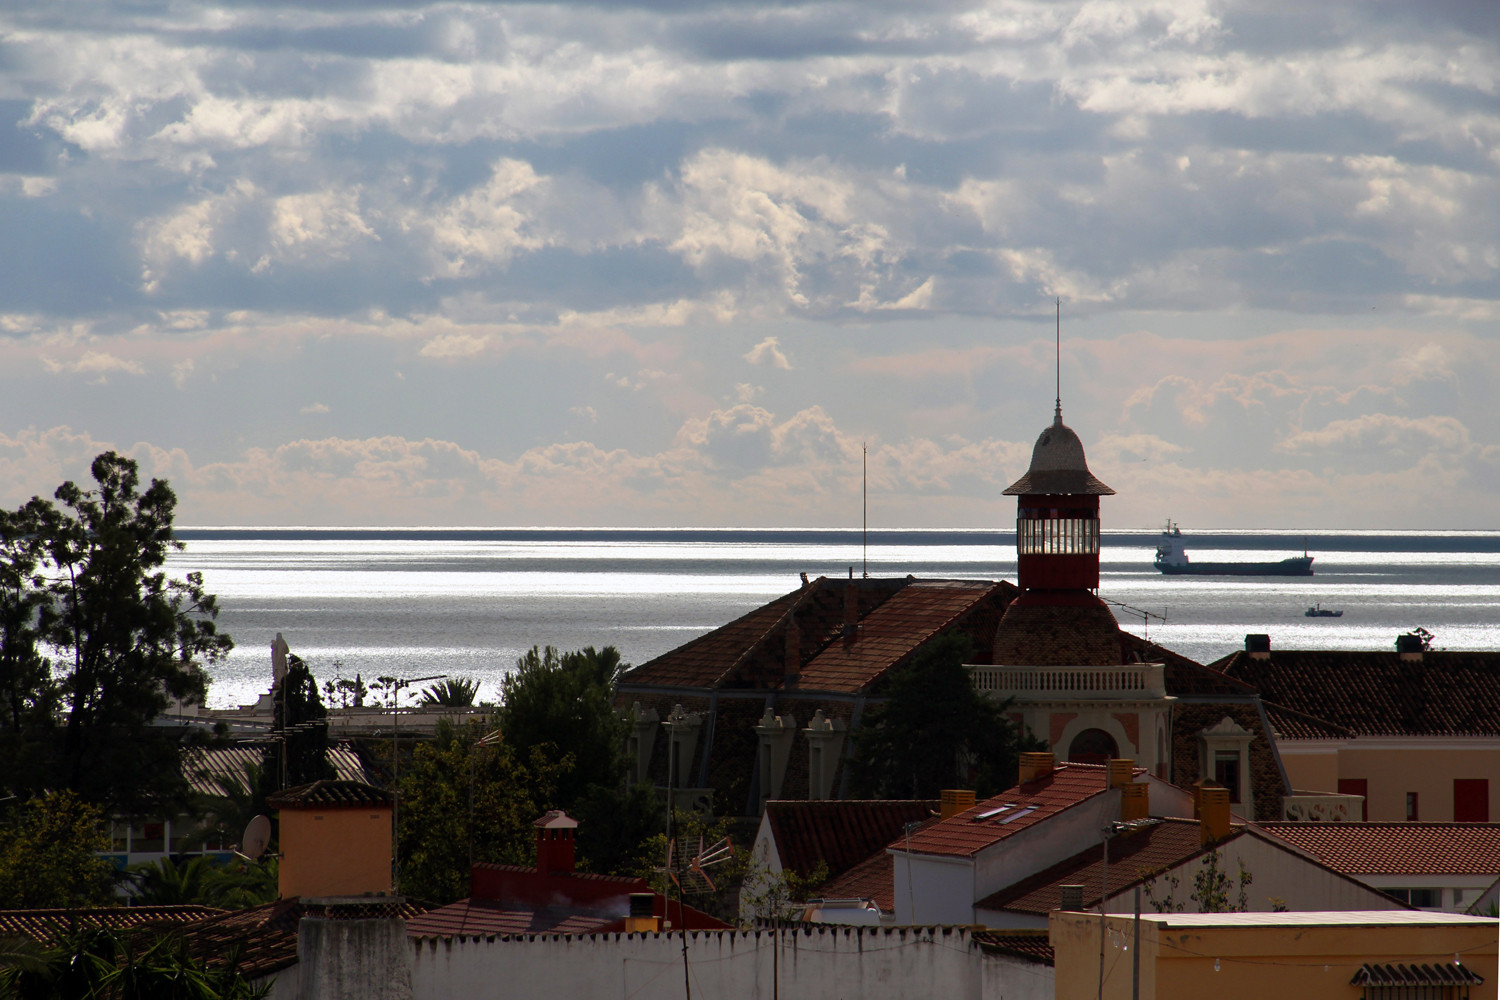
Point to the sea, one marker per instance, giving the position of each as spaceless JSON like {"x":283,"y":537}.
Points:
{"x":466,"y":603}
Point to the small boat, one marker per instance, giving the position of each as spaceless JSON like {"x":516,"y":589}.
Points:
{"x":1318,"y":611}
{"x":1171,"y":559}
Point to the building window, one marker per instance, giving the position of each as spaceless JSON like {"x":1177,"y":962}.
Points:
{"x":1227,"y":772}
{"x":1424,"y":899}
{"x":1360,"y":787}
{"x":1054,"y":532}
{"x":1093,"y":746}
{"x":1411,"y":807}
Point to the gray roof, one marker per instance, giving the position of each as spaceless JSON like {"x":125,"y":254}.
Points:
{"x":1058,"y":466}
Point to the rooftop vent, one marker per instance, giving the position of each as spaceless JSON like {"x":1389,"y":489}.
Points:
{"x":1070,"y":897}
{"x":1258,"y":645}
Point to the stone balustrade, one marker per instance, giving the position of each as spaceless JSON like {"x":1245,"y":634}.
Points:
{"x":1127,"y":682}
{"x":1322,"y":807}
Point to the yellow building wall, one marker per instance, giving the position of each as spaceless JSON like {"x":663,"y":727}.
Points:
{"x":1429,"y":773}
{"x":1254,"y":961}
{"x":1312,"y":772}
{"x":335,"y":852}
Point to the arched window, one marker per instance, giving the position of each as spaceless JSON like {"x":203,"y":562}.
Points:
{"x":1093,"y":746}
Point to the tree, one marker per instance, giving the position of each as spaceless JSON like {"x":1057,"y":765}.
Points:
{"x":564,"y":705}
{"x":50,"y":854}
{"x":935,"y":731}
{"x":203,"y":880}
{"x":302,"y":723}
{"x":465,"y":798}
{"x":456,"y":692}
{"x":28,"y":697}
{"x":128,"y":965}
{"x":82,"y":577}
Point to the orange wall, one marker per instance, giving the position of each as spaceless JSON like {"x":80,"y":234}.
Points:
{"x":335,"y":852}
{"x":1394,"y":772}
{"x":1255,"y":961}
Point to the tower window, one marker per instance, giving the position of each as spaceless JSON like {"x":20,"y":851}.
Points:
{"x":1063,"y":533}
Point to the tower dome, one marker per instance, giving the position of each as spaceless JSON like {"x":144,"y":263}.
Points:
{"x":1058,"y":467}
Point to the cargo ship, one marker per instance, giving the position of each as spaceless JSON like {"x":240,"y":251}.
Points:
{"x":1171,"y":558}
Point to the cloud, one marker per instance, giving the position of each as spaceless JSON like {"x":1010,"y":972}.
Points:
{"x":315,"y":408}
{"x":94,"y":363}
{"x":768,"y":352}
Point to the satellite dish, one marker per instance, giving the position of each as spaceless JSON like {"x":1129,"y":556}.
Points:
{"x":257,"y":836}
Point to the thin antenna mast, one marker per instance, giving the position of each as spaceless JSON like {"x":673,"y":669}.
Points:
{"x":1057,"y":415}
{"x":864,"y":496}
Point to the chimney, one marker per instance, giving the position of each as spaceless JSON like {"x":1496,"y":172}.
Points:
{"x":1410,"y":647}
{"x":1035,"y":766}
{"x":1121,"y":771}
{"x":642,"y":917}
{"x":1213,"y":813}
{"x":956,"y":800}
{"x":554,"y":843}
{"x":1070,"y":897}
{"x":851,"y":602}
{"x":793,"y":649}
{"x":1258,"y":645}
{"x":1135,"y":802}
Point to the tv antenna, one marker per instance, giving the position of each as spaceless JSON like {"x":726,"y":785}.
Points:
{"x":1057,"y":345}
{"x":864,"y":496}
{"x":1145,"y":616}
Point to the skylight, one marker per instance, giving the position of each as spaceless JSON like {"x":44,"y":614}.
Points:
{"x":988,"y":813}
{"x":1012,"y":817}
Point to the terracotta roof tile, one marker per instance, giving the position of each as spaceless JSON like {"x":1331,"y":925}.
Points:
{"x":1030,"y":804}
{"x":330,"y":794}
{"x":1397,"y":848}
{"x":841,"y":833}
{"x":703,"y":662}
{"x":1082,"y":633}
{"x":873,"y":878}
{"x":45,"y":926}
{"x":483,"y":917}
{"x":1133,"y":857}
{"x":1291,"y":724}
{"x":889,"y":635}
{"x":1376,"y":693}
{"x":1031,"y":945}
{"x":265,"y":935}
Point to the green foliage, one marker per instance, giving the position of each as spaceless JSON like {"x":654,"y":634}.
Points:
{"x":563,"y":706}
{"x":203,"y":880}
{"x":465,"y":796}
{"x":456,"y":692}
{"x":935,"y":731}
{"x":616,"y":826}
{"x":343,"y":692}
{"x":300,"y":714}
{"x":49,"y":854}
{"x":81,"y":576}
{"x":1214,"y":889}
{"x":105,"y":965}
{"x":776,"y":896}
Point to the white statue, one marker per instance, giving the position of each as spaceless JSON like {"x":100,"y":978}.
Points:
{"x":279,"y":651}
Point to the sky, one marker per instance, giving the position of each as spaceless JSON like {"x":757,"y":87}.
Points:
{"x":678,"y":263}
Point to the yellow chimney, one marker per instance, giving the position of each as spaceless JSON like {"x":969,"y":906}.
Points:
{"x":1035,"y":765}
{"x":1121,"y":771}
{"x":956,"y":800}
{"x":1213,"y":813}
{"x":1135,"y":802}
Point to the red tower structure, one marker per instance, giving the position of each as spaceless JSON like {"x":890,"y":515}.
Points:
{"x":1057,"y":520}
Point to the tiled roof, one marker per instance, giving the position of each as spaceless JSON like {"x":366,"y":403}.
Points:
{"x":1290,"y":724}
{"x":483,"y":917}
{"x":703,"y":662}
{"x":1030,"y":945}
{"x":1397,"y":848}
{"x":1132,"y":857}
{"x":1080,"y":633}
{"x":265,"y":935}
{"x":210,"y":769}
{"x":1031,"y":803}
{"x":45,"y":926}
{"x":330,"y":794}
{"x":1377,"y":693}
{"x":888,"y":636}
{"x":841,"y":833}
{"x":873,"y":878}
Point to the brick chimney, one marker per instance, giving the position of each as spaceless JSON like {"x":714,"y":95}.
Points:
{"x":851,"y":607}
{"x":1213,"y":813}
{"x":1258,"y":645}
{"x":1410,"y":647}
{"x":554,"y":843}
{"x":955,"y":801}
{"x":1035,"y":766}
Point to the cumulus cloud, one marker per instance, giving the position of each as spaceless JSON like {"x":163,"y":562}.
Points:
{"x":768,"y":352}
{"x":315,"y":408}
{"x":99,"y":363}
